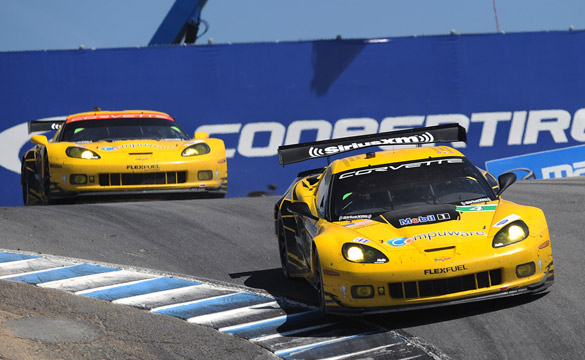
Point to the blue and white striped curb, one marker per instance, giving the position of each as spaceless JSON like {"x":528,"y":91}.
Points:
{"x":290,"y":330}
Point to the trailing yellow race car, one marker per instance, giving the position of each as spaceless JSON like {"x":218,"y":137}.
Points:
{"x":120,"y":153}
{"x":407,"y":228}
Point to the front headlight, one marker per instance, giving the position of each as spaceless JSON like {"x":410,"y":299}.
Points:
{"x":81,"y":153}
{"x":511,"y":234}
{"x":197,"y":149}
{"x":359,"y":253}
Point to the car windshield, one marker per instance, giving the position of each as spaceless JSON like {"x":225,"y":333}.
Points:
{"x":122,"y":129}
{"x":365,"y":192}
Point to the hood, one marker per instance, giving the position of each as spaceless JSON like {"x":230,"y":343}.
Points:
{"x":428,"y":227}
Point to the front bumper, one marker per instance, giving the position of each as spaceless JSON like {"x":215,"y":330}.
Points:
{"x":124,"y":180}
{"x":337,"y":308}
{"x":415,"y":280}
{"x":162,"y":193}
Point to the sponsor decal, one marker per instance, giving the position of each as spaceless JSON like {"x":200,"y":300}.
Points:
{"x":142,"y":167}
{"x":424,"y":219}
{"x":359,"y":224}
{"x":418,"y":220}
{"x":361,"y":240}
{"x":354,"y":217}
{"x":469,"y":202}
{"x":332,"y":150}
{"x":401,"y":166}
{"x":445,"y":270}
{"x":444,"y":259}
{"x":398,"y":242}
{"x":476,"y":208}
{"x":506,"y":220}
{"x":421,"y":215}
{"x":137,"y":145}
{"x":443,"y":217}
{"x":119,"y":116}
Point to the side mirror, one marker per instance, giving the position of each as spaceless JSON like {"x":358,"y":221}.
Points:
{"x":505,"y":180}
{"x":301,"y":208}
{"x":40,"y":140}
{"x":201,"y":135}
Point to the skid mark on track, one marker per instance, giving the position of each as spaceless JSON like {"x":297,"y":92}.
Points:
{"x":288,"y":329}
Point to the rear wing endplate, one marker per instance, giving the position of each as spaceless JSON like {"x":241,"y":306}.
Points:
{"x":45,"y":125}
{"x":289,"y":154}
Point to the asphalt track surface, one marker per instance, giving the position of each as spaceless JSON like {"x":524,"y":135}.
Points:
{"x":232,"y":241}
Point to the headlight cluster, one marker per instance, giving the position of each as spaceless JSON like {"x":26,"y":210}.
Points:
{"x":81,"y":153}
{"x":197,"y":149}
{"x":511,"y":234}
{"x":359,"y":253}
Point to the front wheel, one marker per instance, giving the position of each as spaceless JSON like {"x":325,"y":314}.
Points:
{"x":320,"y":288}
{"x":46,"y":182}
{"x":28,"y":194}
{"x":27,"y":197}
{"x":283,"y":250}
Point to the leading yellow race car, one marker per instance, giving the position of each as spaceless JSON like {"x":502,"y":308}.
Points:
{"x":120,"y":153}
{"x":407,"y":228}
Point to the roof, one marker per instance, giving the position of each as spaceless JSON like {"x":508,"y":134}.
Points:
{"x":392,"y":156}
{"x":124,"y":114}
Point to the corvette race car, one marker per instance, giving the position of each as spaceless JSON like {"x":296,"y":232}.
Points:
{"x":407,"y":228}
{"x":120,"y":153}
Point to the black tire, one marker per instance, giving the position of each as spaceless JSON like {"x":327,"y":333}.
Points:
{"x":46,"y":181}
{"x":27,"y":198}
{"x":320,"y":290}
{"x":283,"y":250}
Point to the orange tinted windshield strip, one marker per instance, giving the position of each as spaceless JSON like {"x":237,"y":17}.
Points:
{"x":119,"y":116}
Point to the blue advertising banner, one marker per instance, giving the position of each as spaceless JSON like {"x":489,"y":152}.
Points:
{"x":516,"y":94}
{"x":550,"y":164}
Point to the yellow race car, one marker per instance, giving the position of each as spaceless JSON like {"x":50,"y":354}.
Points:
{"x":120,"y":153}
{"x":407,"y":228}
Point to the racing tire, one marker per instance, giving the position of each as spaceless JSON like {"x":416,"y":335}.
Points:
{"x":320,"y":289}
{"x":46,"y":182}
{"x":283,"y":250}
{"x":27,"y":198}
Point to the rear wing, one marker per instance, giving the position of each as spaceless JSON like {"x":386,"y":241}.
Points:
{"x":45,"y":125}
{"x":289,"y":154}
